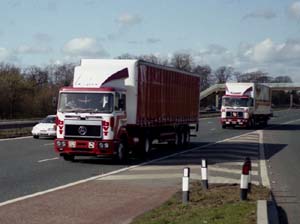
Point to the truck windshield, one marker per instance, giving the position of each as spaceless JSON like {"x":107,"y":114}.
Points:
{"x":86,"y":102}
{"x":237,"y":102}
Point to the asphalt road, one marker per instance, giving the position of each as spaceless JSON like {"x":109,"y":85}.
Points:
{"x":282,"y":146}
{"x":29,"y":165}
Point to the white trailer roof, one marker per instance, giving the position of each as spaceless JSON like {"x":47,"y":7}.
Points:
{"x":92,"y":73}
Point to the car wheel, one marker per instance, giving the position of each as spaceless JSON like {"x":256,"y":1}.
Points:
{"x":36,"y":136}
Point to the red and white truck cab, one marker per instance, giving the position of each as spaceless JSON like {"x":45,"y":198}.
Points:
{"x":246,"y":104}
{"x":86,"y":120}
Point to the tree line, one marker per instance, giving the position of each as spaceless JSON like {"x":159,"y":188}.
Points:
{"x":32,"y":91}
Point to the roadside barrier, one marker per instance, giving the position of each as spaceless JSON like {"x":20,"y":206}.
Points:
{"x":185,"y":185}
{"x":245,"y":179}
{"x":204,"y":179}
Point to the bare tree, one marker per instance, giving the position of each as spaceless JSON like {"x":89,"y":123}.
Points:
{"x":256,"y":77}
{"x":61,"y":75}
{"x":36,"y":75}
{"x":127,"y":56}
{"x":182,"y":61}
{"x":12,"y":86}
{"x":282,"y":79}
{"x":205,"y":75}
{"x":223,"y":74}
{"x":154,"y":59}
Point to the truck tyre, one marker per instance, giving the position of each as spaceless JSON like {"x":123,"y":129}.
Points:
{"x":265,"y":123}
{"x":253,"y":123}
{"x":69,"y":157}
{"x":146,"y":148}
{"x":187,"y":138}
{"x":179,"y":138}
{"x":122,"y":154}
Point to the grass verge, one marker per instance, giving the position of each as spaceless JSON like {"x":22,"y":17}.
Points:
{"x":220,"y":204}
{"x":15,"y":132}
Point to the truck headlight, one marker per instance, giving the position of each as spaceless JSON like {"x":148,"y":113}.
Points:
{"x":103,"y":145}
{"x":61,"y":143}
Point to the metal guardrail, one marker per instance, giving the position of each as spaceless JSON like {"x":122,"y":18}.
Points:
{"x":17,"y":124}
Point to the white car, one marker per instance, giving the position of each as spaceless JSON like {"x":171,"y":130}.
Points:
{"x":45,"y":128}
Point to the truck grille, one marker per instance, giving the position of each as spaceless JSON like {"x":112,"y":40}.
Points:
{"x":83,"y":131}
{"x":235,"y":114}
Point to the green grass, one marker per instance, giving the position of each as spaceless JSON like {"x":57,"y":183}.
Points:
{"x":219,"y":205}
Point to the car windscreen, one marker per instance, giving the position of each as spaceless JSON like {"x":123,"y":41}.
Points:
{"x":48,"y":120}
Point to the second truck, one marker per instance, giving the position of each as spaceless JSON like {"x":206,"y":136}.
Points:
{"x":115,"y":107}
{"x":246,"y":105}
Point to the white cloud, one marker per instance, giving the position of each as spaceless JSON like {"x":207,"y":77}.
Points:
{"x":266,"y":14}
{"x":7,"y":55}
{"x":294,"y":10}
{"x":127,"y":19}
{"x":277,"y":59}
{"x":287,"y":52}
{"x":84,"y":47}
{"x":25,"y":49}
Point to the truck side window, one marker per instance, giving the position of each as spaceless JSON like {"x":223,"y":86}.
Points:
{"x":122,"y":102}
{"x":117,"y":98}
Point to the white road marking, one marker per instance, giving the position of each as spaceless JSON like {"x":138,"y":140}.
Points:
{"x":10,"y":139}
{"x":45,"y":160}
{"x":263,"y":167}
{"x":111,"y":173}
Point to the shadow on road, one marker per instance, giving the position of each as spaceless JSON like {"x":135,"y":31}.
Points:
{"x":284,"y":127}
{"x":213,"y":152}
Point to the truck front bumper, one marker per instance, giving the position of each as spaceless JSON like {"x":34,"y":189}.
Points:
{"x":234,"y":121}
{"x":103,"y":148}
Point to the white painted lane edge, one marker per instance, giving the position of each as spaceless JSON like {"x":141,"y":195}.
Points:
{"x":107,"y":174}
{"x":11,"y":139}
{"x":45,"y":160}
{"x":119,"y":171}
{"x":263,"y":166}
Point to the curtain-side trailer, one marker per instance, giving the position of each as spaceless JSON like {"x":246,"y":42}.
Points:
{"x":118,"y":106}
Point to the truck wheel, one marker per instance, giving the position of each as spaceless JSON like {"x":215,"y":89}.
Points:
{"x":179,"y":138}
{"x":146,"y":148}
{"x":187,"y":138}
{"x":122,"y":153}
{"x":265,"y":123}
{"x":253,"y":123}
{"x":69,"y":158}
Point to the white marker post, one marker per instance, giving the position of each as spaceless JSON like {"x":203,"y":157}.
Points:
{"x":247,"y":160}
{"x":204,"y":179}
{"x":244,"y":181}
{"x":185,"y":185}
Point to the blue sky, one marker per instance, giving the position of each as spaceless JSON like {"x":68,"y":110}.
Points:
{"x":247,"y":35}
